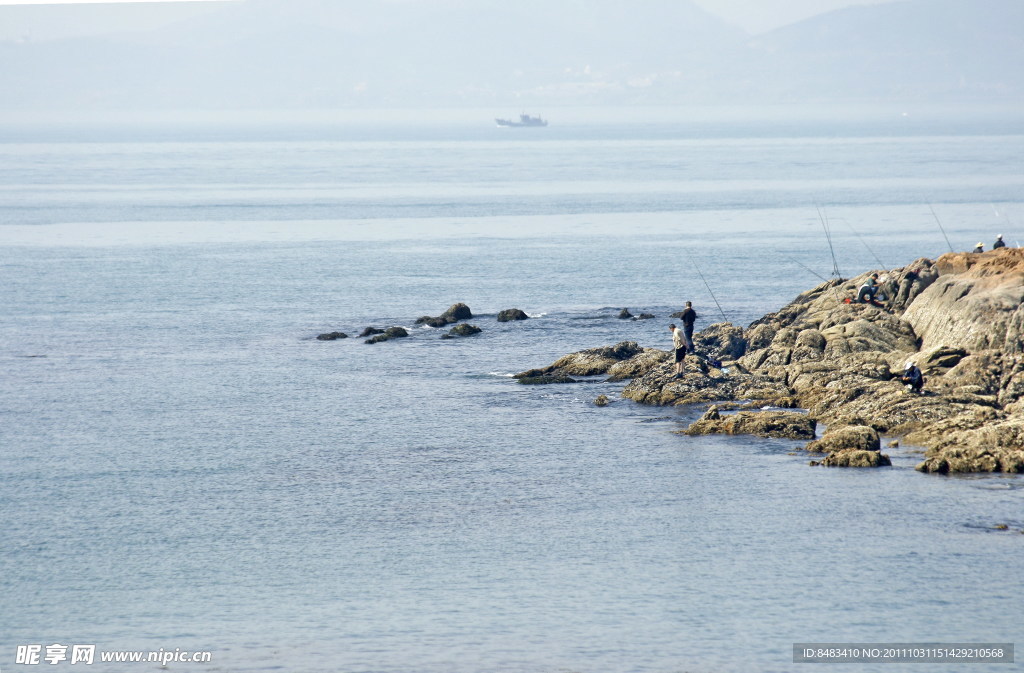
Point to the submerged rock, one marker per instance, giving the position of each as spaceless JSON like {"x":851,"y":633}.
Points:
{"x":332,"y":336}
{"x":544,"y":379}
{"x":601,"y":401}
{"x":511,"y":314}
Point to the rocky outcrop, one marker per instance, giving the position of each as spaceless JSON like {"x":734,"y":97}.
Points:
{"x":454,"y":314}
{"x":332,"y":336}
{"x":624,"y":314}
{"x":786,"y":424}
{"x":388,"y":334}
{"x":370,"y":331}
{"x":624,"y":358}
{"x":512,"y":314}
{"x":960,"y":318}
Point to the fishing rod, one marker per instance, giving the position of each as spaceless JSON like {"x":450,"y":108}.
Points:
{"x":697,"y":269}
{"x":940,"y":228}
{"x":1006,"y":217}
{"x":828,"y":237}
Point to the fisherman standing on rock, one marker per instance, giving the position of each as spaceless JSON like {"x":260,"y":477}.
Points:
{"x":688,"y":316}
{"x":679,"y":347}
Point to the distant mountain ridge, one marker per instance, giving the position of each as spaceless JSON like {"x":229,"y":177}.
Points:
{"x":324,"y":53}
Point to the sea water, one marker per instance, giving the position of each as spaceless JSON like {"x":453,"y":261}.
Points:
{"x":185,"y":466}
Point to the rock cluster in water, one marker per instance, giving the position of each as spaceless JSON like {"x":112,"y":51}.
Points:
{"x":960,"y":318}
{"x":454,"y":314}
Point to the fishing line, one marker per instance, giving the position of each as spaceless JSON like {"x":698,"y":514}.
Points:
{"x":828,"y":237}
{"x":881,"y":264}
{"x":697,"y":269}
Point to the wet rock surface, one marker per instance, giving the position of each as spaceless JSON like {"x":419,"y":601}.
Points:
{"x":512,"y":314}
{"x":465,"y":329}
{"x":331,"y":336}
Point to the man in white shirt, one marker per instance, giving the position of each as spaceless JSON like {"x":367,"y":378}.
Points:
{"x":679,"y":345}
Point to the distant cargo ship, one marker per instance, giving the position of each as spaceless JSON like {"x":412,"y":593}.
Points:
{"x":524,"y":120}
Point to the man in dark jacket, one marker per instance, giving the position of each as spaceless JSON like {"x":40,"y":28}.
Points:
{"x":688,"y":316}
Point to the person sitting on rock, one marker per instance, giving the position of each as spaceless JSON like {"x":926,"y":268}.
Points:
{"x":868,"y":291}
{"x":912,"y":378}
{"x":999,"y":243}
{"x":679,"y":346}
{"x":980,"y":247}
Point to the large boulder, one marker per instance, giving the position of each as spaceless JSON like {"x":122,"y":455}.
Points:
{"x":973,"y":459}
{"x":512,"y":314}
{"x":856,"y":458}
{"x":465,"y":329}
{"x":595,"y":361}
{"x":851,"y":437}
{"x":454,"y":314}
{"x":721,"y":341}
{"x":457,"y":312}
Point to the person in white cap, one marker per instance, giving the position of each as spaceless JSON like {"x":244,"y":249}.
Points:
{"x":999,"y":242}
{"x":912,"y":377}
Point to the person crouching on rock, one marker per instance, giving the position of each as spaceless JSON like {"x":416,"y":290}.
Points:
{"x":980,"y":247}
{"x":679,"y":345}
{"x":868,"y":291}
{"x":912,"y":378}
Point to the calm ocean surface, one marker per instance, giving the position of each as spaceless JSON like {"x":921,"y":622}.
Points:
{"x":183,"y":465}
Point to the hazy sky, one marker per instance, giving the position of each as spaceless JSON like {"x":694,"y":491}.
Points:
{"x":753,"y":15}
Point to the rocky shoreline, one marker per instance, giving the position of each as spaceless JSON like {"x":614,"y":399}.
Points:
{"x":960,"y":318}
